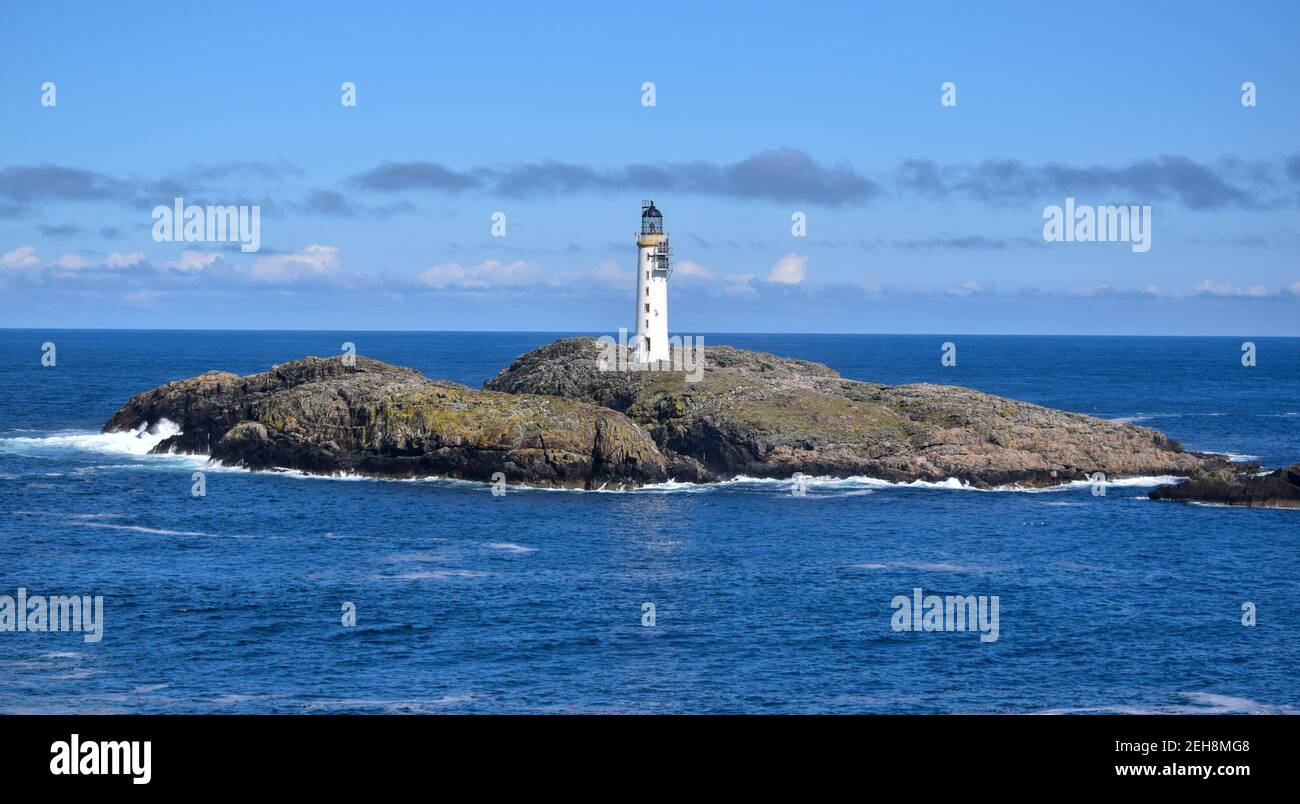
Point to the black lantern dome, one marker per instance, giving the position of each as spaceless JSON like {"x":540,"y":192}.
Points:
{"x":652,"y":220}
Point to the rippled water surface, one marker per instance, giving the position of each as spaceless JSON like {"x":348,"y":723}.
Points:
{"x":764,"y":601}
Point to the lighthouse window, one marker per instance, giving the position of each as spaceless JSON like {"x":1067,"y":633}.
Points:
{"x":647,"y":344}
{"x":647,"y":274}
{"x":647,"y":307}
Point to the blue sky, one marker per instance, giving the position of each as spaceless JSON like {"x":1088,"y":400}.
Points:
{"x":920,"y":218}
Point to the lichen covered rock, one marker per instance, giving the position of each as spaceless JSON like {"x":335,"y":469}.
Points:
{"x":761,"y":415}
{"x":324,"y":417}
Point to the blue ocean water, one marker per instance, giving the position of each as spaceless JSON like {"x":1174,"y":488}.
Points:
{"x":533,"y":602}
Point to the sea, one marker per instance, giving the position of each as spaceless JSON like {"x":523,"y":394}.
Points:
{"x":278,"y":592}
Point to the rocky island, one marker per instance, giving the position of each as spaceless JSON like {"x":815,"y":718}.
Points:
{"x":555,"y":418}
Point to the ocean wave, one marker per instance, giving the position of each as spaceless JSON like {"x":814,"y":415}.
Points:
{"x":135,"y":442}
{"x":509,"y":547}
{"x":403,"y":558}
{"x":429,"y":575}
{"x":1142,"y":417}
{"x":1234,"y":457}
{"x":1143,"y":481}
{"x":143,"y":529}
{"x":90,"y":521}
{"x":1197,"y":703}
{"x":863,"y":483}
{"x":925,"y":566}
{"x":387,"y":706}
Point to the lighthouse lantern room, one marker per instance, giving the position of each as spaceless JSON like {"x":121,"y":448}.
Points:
{"x":653,"y":268}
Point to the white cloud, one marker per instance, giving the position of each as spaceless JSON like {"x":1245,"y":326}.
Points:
{"x":25,"y":257}
{"x":739,"y":285}
{"x":309,"y":263}
{"x":610,"y":272}
{"x":484,"y":275}
{"x":691,"y":269}
{"x":1229,"y":289}
{"x":789,"y":270}
{"x":120,"y":260}
{"x":966,"y":288}
{"x":142,"y":297}
{"x":194,"y":261}
{"x":21,"y":257}
{"x":73,"y":262}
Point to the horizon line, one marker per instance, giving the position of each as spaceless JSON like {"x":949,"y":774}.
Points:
{"x":595,"y":333}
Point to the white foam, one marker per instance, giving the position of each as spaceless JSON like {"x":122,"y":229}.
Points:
{"x":142,"y":529}
{"x":90,"y":521}
{"x":822,"y":483}
{"x":1145,"y":481}
{"x":135,"y":442}
{"x":510,"y":547}
{"x":1236,"y":457}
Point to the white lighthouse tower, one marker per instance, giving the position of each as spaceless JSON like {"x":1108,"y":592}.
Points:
{"x":652,"y":270}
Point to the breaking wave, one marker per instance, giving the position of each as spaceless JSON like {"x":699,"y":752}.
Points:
{"x":135,"y":442}
{"x":509,"y":547}
{"x":863,"y":484}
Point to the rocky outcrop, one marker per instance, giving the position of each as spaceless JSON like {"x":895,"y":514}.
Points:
{"x":554,"y":418}
{"x":761,"y":415}
{"x":324,"y":417}
{"x":1239,"y":485}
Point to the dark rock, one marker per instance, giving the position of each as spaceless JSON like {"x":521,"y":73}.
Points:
{"x":1239,"y":485}
{"x":324,"y":417}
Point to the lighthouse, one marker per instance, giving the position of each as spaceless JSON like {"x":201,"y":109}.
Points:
{"x":652,"y":270}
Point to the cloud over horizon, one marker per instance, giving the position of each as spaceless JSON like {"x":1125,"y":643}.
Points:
{"x":791,"y":175}
{"x":779,"y":175}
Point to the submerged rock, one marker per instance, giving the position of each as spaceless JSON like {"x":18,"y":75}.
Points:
{"x":554,"y":418}
{"x":1238,"y":485}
